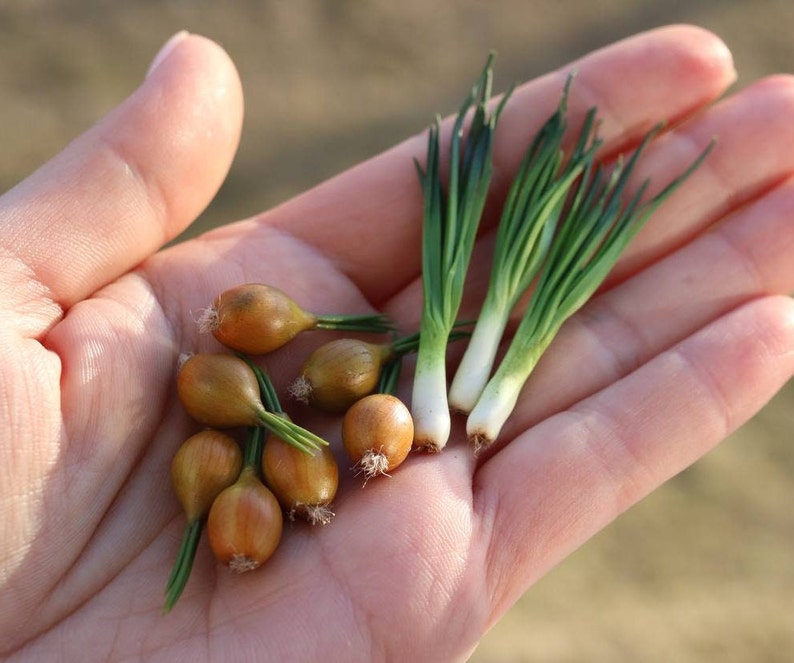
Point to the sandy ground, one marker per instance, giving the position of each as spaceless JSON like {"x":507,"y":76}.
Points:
{"x":703,"y":570}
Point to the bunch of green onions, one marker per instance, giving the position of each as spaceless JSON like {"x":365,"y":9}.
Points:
{"x":565,"y":222}
{"x":449,"y":230}
{"x":526,"y":228}
{"x":597,"y":226}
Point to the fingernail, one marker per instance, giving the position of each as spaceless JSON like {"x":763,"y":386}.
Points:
{"x":165,"y":51}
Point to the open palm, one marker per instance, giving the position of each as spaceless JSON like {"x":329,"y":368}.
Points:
{"x":688,"y":339}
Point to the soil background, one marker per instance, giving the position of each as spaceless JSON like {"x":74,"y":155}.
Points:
{"x":703,"y":569}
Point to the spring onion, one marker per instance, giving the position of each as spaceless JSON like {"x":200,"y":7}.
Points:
{"x":449,"y":228}
{"x":523,"y":237}
{"x":597,"y":226}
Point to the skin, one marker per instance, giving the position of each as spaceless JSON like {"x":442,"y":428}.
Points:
{"x":687,"y":340}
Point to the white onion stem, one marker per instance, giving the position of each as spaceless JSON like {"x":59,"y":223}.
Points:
{"x":478,"y":360}
{"x":500,"y":395}
{"x":492,"y":410}
{"x":429,"y":406}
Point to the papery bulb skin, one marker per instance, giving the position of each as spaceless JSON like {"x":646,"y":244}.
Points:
{"x":203,"y":466}
{"x":304,"y":485}
{"x":255,"y":318}
{"x":339,"y":373}
{"x":377,"y":433}
{"x":245,"y":523}
{"x":219,"y":390}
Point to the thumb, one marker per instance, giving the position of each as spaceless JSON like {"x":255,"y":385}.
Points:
{"x":128,"y":185}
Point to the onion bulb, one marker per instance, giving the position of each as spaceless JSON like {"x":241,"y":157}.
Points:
{"x":377,"y":433}
{"x":204,"y":465}
{"x":220,"y":390}
{"x":245,"y":523}
{"x":223,"y":391}
{"x":255,"y":318}
{"x":304,"y":485}
{"x":339,"y":373}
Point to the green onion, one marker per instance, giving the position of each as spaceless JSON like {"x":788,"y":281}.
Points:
{"x":524,"y":234}
{"x":597,"y":227}
{"x":449,"y":228}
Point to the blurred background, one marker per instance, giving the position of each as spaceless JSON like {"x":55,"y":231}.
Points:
{"x":702,"y":570}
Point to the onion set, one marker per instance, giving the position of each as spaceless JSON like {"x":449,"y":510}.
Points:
{"x":244,"y":525}
{"x":255,"y":318}
{"x":342,"y":371}
{"x":204,"y":465}
{"x":223,"y":391}
{"x":377,"y":433}
{"x":304,"y":485}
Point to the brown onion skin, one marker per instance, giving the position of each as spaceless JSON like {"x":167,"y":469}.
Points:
{"x":296,"y":478}
{"x":219,"y":390}
{"x":381,"y":424}
{"x":256,"y":318}
{"x":245,"y":523}
{"x":203,"y":466}
{"x":342,"y":372}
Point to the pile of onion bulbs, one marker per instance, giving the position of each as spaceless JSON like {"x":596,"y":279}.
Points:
{"x":250,"y":466}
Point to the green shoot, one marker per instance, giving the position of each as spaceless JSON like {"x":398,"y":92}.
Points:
{"x":524,"y":234}
{"x":597,"y":227}
{"x":449,"y":229}
{"x":273,"y":417}
{"x":375,"y":323}
{"x":183,"y":564}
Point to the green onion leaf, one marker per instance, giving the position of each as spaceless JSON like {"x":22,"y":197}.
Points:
{"x":529,"y":219}
{"x":450,"y":225}
{"x":597,"y":226}
{"x":273,"y":417}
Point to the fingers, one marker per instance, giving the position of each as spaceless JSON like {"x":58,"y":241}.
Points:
{"x":129,"y":184}
{"x":588,"y":464}
{"x":754,"y":151}
{"x":368,"y":219}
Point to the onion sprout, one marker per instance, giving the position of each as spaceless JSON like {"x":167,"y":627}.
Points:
{"x":180,"y":573}
{"x":523,"y":237}
{"x":252,"y":451}
{"x":273,"y":417}
{"x":596,"y":228}
{"x":449,"y":228}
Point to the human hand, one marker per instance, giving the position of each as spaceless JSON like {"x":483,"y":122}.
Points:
{"x":637,"y":386}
